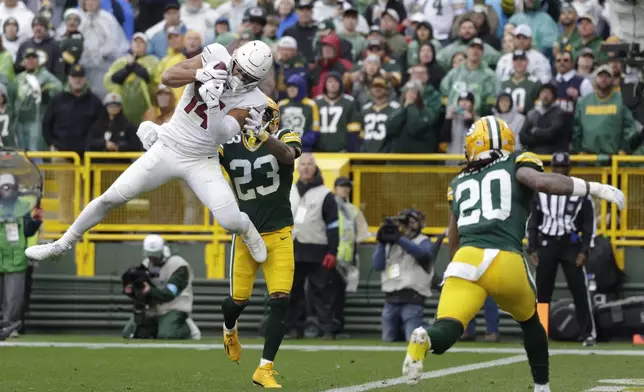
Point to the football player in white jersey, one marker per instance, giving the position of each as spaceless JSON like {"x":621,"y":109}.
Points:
{"x":219,"y":101}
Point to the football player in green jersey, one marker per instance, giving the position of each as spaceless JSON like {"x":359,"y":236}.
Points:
{"x":523,"y":87}
{"x":261,"y":168}
{"x":490,"y":202}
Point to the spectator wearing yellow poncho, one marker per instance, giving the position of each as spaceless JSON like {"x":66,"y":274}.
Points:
{"x":132,"y":77}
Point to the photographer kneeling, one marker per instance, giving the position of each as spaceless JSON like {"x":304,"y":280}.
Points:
{"x":162,"y":291}
{"x":404,"y":256}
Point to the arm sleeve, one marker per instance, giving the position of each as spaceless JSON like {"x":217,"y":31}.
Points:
{"x":119,"y":76}
{"x":227,"y":126}
{"x":533,"y":223}
{"x":31,"y":225}
{"x":330,"y":217}
{"x":140,"y":71}
{"x":379,"y":259}
{"x":588,"y":224}
{"x":176,"y":284}
{"x":421,"y":252}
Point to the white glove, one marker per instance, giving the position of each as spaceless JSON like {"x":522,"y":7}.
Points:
{"x":608,"y":193}
{"x":210,"y":92}
{"x":147,"y":134}
{"x":208,"y":73}
{"x":253,"y":127}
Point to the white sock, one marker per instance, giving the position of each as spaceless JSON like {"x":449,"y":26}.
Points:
{"x":264,"y":362}
{"x":229,"y":331}
{"x":69,"y":239}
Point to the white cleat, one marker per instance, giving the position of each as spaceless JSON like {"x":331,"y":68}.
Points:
{"x":541,"y":388}
{"x":46,"y":251}
{"x":255,"y":243}
{"x":416,"y":352}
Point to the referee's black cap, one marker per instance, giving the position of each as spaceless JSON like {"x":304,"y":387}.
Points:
{"x":560,"y":159}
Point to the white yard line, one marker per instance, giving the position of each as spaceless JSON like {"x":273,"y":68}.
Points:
{"x":313,"y":348}
{"x":433,"y":374}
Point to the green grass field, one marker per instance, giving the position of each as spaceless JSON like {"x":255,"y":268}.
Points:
{"x":102,"y":364}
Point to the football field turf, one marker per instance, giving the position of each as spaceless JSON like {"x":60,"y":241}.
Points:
{"x":99,"y":364}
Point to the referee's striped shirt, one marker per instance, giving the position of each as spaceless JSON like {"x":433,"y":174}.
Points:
{"x":560,"y":215}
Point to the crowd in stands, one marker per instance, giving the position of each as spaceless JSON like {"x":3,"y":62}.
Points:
{"x":395,"y":76}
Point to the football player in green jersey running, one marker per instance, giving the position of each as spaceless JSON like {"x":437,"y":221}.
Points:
{"x":260,"y":167}
{"x":490,"y":203}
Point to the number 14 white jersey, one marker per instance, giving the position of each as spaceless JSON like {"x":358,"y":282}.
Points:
{"x":192,"y":129}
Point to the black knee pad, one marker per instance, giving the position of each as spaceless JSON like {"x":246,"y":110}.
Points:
{"x":278,"y":306}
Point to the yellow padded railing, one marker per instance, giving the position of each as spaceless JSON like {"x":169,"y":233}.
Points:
{"x":384,"y":184}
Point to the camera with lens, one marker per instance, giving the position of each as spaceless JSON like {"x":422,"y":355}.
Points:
{"x":389,"y":231}
{"x":137,"y":277}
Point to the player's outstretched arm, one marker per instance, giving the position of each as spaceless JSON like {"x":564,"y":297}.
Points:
{"x":183,"y":73}
{"x":559,"y":184}
{"x":282,"y":151}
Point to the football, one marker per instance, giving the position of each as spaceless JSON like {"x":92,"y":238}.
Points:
{"x":220,"y":65}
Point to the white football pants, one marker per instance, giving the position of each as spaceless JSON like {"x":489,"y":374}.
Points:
{"x":157,"y":166}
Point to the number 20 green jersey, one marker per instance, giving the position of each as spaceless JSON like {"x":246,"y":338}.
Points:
{"x":491,"y":206}
{"x":261,"y":183}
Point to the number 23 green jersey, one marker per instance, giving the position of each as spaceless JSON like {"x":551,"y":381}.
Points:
{"x":491,"y":206}
{"x":261,"y":183}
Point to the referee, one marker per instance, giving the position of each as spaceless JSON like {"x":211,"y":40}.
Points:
{"x":561,"y":230}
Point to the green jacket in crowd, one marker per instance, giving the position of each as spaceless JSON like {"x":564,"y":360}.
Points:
{"x":594,"y":44}
{"x":26,"y":106}
{"x":136,"y":91}
{"x":414,"y":48}
{"x":603,"y":126}
{"x":481,"y":82}
{"x":6,"y":67}
{"x":14,"y":232}
{"x":410,"y":130}
{"x":397,"y":43}
{"x":71,"y":46}
{"x":358,"y":44}
{"x":490,"y":55}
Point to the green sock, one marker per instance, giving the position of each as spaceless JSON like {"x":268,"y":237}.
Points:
{"x":535,"y":342}
{"x":274,"y":327}
{"x":231,"y":312}
{"x":443,"y":334}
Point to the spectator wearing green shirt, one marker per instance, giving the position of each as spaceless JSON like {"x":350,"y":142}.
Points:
{"x":467,"y":31}
{"x":569,"y":37}
{"x":602,"y":123}
{"x":588,"y":38}
{"x":473,"y":76}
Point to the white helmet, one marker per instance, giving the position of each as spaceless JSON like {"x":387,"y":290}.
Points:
{"x":255,"y":61}
{"x":154,"y":246}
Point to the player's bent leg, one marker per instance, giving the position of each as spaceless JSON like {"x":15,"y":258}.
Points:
{"x":231,"y":310}
{"x":210,"y":186}
{"x":459,"y":302}
{"x":146,"y":173}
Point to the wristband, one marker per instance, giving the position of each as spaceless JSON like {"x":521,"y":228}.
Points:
{"x":579,"y":187}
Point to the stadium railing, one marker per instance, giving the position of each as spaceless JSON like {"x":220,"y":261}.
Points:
{"x":384,"y":184}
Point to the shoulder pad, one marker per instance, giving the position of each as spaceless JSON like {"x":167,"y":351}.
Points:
{"x":283,"y":102}
{"x":319,"y":97}
{"x":529,"y":158}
